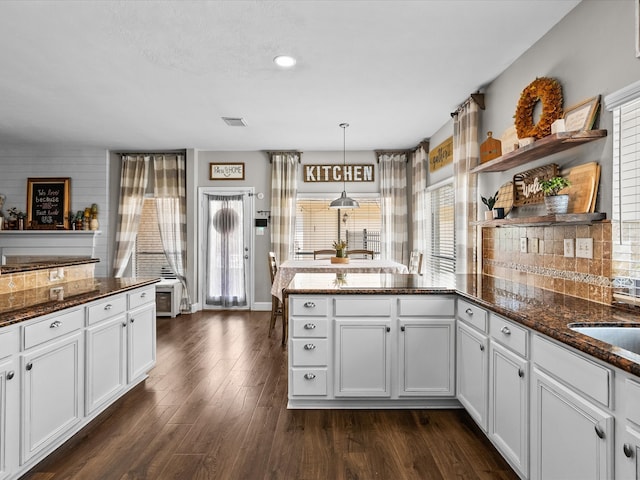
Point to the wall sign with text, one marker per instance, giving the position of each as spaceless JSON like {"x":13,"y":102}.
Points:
{"x":48,"y":202}
{"x":441,"y":155}
{"x":226,"y":171}
{"x":338,"y":173}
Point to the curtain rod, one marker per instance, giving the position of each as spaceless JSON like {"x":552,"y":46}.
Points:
{"x":476,"y":97}
{"x":392,"y":152}
{"x":283,"y":152}
{"x":178,"y":152}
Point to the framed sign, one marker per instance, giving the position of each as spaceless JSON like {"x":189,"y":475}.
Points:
{"x":441,"y":155}
{"x":581,"y":116}
{"x":226,"y":171}
{"x":48,"y":202}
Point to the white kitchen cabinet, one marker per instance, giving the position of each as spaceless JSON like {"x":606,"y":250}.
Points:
{"x":362,"y":358}
{"x":52,"y":396}
{"x":141,"y":341}
{"x":426,"y":357}
{"x":472,"y":379}
{"x":629,"y":467}
{"x":9,"y":415}
{"x":571,"y":437}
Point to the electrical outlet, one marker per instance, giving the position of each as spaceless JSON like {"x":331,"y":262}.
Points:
{"x":523,"y":244}
{"x":56,"y":293}
{"x":568,"y":247}
{"x":584,"y":247}
{"x":534,"y":245}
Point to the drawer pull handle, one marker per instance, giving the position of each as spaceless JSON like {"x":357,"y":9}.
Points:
{"x":143,"y":294}
{"x":505,"y":330}
{"x":108,"y":306}
{"x":599,"y":431}
{"x":309,"y":326}
{"x":29,"y":366}
{"x":56,"y":324}
{"x":626,"y":448}
{"x":520,"y":372}
{"x":468,"y":311}
{"x":309,"y":304}
{"x":309,"y":376}
{"x":309,"y":346}
{"x":10,"y":375}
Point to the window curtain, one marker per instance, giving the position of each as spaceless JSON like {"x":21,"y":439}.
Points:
{"x":170,"y":195}
{"x":393,"y":188}
{"x":133,"y":182}
{"x":465,"y":157}
{"x":284,"y":188}
{"x":419,"y":211}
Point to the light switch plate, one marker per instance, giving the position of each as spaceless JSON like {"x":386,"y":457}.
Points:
{"x":534,"y":245}
{"x":568,"y":247}
{"x":584,"y":247}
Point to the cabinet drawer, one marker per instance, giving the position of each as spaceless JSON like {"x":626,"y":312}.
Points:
{"x":308,"y":352}
{"x":473,"y":315}
{"x":632,"y":400}
{"x":509,"y":334}
{"x":310,"y":327}
{"x":363,"y":307}
{"x":53,"y":327}
{"x":308,"y":381}
{"x":575,"y":370}
{"x":141,"y":297}
{"x":426,"y":306}
{"x":106,"y":309}
{"x":8,"y":342}
{"x":308,"y":306}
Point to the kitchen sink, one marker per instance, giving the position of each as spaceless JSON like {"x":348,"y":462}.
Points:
{"x":626,"y":337}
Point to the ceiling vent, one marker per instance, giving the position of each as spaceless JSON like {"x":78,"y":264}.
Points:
{"x":235,"y":121}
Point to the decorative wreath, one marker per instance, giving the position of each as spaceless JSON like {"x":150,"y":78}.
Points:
{"x":545,"y":90}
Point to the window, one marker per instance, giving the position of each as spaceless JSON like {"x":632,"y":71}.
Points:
{"x":149,"y":258}
{"x":318,"y":226}
{"x":440,"y":253}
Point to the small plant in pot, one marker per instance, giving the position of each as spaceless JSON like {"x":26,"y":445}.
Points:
{"x":555,"y":202}
{"x":489,"y":202}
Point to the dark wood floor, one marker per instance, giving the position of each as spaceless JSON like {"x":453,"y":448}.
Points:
{"x":214,"y":407}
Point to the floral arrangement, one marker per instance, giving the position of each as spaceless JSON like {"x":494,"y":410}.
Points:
{"x":549,"y":92}
{"x":341,"y":248}
{"x":15,"y":213}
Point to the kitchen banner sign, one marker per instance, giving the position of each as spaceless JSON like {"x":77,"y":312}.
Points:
{"x":441,"y":155}
{"x":338,"y":173}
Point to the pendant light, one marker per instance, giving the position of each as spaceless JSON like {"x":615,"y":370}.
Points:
{"x":344,"y":201}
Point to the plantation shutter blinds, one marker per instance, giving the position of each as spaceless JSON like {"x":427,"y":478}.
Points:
{"x":440,"y":255}
{"x":626,"y":169}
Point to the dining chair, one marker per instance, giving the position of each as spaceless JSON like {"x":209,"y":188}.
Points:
{"x":362,"y":252}
{"x":415,"y":262}
{"x":276,"y":304}
{"x":324,"y":253}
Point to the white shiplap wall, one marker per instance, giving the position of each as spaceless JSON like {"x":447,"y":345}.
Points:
{"x":89,"y":173}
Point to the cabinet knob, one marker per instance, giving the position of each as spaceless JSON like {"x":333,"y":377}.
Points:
{"x":505,"y":330}
{"x":10,"y":375}
{"x":599,"y":431}
{"x":628,"y":450}
{"x":309,"y":346}
{"x":520,"y":372}
{"x":402,"y":328}
{"x":29,"y":366}
{"x":469,"y":312}
{"x":56,"y":324}
{"x":309,"y":304}
{"x":482,"y":348}
{"x":132,"y":320}
{"x":388,"y":329}
{"x":309,"y":376}
{"x":124,"y":324}
{"x":309,"y":326}
{"x":108,"y":306}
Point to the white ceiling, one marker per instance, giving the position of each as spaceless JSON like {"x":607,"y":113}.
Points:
{"x":156,"y":75}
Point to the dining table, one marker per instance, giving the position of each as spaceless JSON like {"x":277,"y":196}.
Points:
{"x":287,"y":269}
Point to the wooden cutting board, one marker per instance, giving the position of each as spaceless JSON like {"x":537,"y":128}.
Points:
{"x":584,"y":187}
{"x":505,"y":198}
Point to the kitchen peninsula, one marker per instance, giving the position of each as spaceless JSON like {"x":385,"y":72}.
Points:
{"x":70,"y":345}
{"x":505,"y":352}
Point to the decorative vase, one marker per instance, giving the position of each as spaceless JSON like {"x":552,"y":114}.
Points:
{"x":93,"y":224}
{"x":488,"y":215}
{"x":557,"y":204}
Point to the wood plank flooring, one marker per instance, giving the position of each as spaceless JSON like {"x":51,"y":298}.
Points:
{"x":214,"y":407}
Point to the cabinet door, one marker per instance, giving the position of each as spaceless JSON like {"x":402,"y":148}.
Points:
{"x":141,"y":342}
{"x":52,"y":393}
{"x":426,"y":350}
{"x":571,"y":438}
{"x":509,"y":406}
{"x":9,"y":415}
{"x":106,"y":373}
{"x":362,"y":364}
{"x":629,"y":467}
{"x":472,"y":373}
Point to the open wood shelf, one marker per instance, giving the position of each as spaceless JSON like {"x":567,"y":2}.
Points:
{"x":543,"y":147}
{"x":564,"y":219}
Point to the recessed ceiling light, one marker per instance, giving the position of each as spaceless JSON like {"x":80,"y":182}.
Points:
{"x":235,"y":121}
{"x":284,"y":61}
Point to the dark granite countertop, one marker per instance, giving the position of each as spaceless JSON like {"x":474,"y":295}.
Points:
{"x":541,"y":310}
{"x":18,"y":307}
{"x":42,"y":263}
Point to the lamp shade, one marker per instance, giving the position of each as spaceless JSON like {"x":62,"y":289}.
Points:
{"x":344,"y":202}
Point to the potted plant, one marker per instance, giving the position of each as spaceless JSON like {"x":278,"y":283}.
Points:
{"x":341,"y":252}
{"x":489,"y":202}
{"x":18,"y":217}
{"x":555,"y":202}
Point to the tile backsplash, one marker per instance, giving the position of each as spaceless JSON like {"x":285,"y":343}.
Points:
{"x":548,"y":268}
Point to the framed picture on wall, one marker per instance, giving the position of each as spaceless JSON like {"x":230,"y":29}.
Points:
{"x":226,"y":171}
{"x":582,"y":116}
{"x":48,"y":202}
